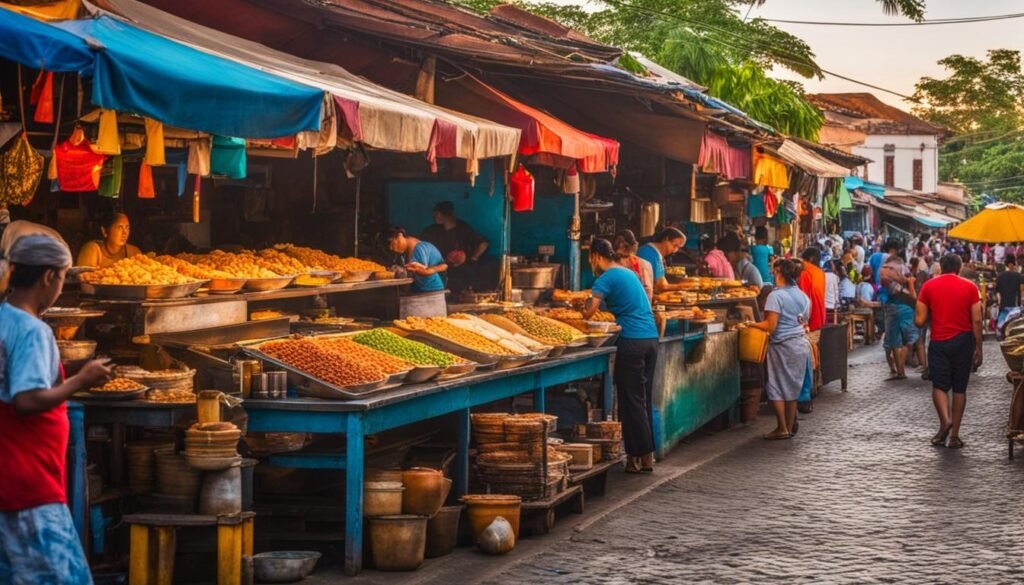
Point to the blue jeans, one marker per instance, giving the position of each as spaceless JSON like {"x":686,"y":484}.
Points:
{"x":899,"y":326}
{"x":39,"y":546}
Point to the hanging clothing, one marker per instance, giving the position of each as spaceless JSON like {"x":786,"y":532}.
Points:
{"x":756,"y":206}
{"x":21,"y":167}
{"x":771,"y":203}
{"x":108,"y":141}
{"x":154,"y":143}
{"x":110,"y":177}
{"x":146,"y":189}
{"x":718,"y":157}
{"x":650,"y":215}
{"x":227,"y":157}
{"x":199,"y":157}
{"x":78,"y":166}
{"x":178,"y":158}
{"x":770,"y":171}
{"x":845,"y":201}
{"x":42,"y":98}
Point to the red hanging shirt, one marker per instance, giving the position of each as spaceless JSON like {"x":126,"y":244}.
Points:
{"x":78,"y":167}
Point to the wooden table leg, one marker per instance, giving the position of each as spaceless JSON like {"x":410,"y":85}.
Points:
{"x":229,"y":554}
{"x":166,"y":545}
{"x":138,"y":556}
{"x":247,"y":537}
{"x":354,"y":495}
{"x":462,"y":453}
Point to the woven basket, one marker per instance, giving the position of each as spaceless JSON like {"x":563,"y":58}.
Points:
{"x":163,"y":380}
{"x":604,"y":430}
{"x":488,"y":438}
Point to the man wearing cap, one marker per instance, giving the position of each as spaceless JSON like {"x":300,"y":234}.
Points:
{"x":463,"y":249}
{"x":38,"y":541}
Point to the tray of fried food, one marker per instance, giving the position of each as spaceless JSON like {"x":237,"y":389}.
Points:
{"x":318,"y":371}
{"x":257,"y":277}
{"x":439,"y":333}
{"x":545,"y":329}
{"x":114,"y":389}
{"x":395,"y":368}
{"x":742,"y":292}
{"x":219,"y":282}
{"x":522,"y":344}
{"x":171,"y":396}
{"x":137,"y":278}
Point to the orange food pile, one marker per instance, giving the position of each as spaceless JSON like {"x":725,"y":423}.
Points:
{"x":442,"y":328}
{"x":192,"y":270}
{"x":322,"y":363}
{"x":118,"y":385}
{"x":386,"y":363}
{"x":138,"y":269}
{"x":320,"y":260}
{"x":237,"y":265}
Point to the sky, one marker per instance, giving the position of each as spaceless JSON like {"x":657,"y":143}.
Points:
{"x":891,"y":57}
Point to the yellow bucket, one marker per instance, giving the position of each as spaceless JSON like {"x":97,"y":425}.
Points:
{"x":753,"y":345}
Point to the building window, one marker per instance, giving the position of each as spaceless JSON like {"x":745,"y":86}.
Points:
{"x":890,"y":170}
{"x":918,"y":174}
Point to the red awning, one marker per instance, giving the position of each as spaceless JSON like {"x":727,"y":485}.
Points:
{"x":551,"y":140}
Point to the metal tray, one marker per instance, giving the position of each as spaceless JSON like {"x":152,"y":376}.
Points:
{"x":458,"y":370}
{"x":421,"y":374}
{"x":130,"y":395}
{"x":142,"y":292}
{"x":480,"y":357}
{"x":602,"y":339}
{"x":356,"y":275}
{"x":308,"y":385}
{"x":265,"y":284}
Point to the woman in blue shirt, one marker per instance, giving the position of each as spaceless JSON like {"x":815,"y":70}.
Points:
{"x":423,"y":260}
{"x":620,"y":290}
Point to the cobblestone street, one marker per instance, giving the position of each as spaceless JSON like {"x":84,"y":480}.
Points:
{"x":859,"y":497}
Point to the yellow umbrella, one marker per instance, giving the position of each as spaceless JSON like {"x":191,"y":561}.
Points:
{"x":998,"y":222}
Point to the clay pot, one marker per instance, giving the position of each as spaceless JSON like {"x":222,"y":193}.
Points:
{"x":382,"y":498}
{"x":483,"y":509}
{"x":398,"y":543}
{"x":443,"y":531}
{"x":425,"y":491}
{"x":378,"y":474}
{"x":498,"y":538}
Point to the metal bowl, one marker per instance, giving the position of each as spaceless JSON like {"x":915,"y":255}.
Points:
{"x":357,"y":275}
{"x":142,"y":291}
{"x":265,"y":284}
{"x":72,"y":351}
{"x":286,"y":566}
{"x":225,"y":286}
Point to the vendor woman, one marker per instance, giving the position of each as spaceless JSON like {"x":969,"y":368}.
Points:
{"x":422,"y":260}
{"x":666,"y":243}
{"x":113,"y":247}
{"x":620,"y":290}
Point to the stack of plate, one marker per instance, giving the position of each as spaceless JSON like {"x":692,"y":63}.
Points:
{"x":212,"y":446}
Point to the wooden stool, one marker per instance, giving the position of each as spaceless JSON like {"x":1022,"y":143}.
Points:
{"x":867,"y":321}
{"x":154,"y":538}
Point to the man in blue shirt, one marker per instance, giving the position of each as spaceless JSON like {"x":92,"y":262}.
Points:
{"x":762,"y":255}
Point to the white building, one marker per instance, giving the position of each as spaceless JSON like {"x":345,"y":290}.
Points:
{"x":904,"y":149}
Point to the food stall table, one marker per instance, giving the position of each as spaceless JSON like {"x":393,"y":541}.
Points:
{"x":120,"y":414}
{"x":410,"y":404}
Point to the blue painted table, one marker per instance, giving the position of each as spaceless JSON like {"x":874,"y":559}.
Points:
{"x":410,"y":404}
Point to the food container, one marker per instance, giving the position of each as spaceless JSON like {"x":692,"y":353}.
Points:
{"x":277,"y":384}
{"x":242,"y":372}
{"x":75,"y":351}
{"x":286,"y":566}
{"x":268,"y":284}
{"x":225,"y":286}
{"x":443,"y":531}
{"x":382,"y":498}
{"x":483,"y":509}
{"x":425,"y":491}
{"x":142,"y":291}
{"x":398,"y":543}
{"x":356,"y":275}
{"x":208,"y":406}
{"x":260,"y":386}
{"x":535,"y":276}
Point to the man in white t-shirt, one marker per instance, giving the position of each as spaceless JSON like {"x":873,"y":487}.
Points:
{"x":858,"y":252}
{"x":999,"y":253}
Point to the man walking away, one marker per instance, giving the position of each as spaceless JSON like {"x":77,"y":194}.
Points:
{"x":897,"y":294}
{"x":812,"y":283}
{"x":954,"y":306}
{"x":38,"y":542}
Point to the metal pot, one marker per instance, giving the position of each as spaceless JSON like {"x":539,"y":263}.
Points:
{"x":535,"y":275}
{"x":286,"y":566}
{"x":398,"y":543}
{"x":221,"y":492}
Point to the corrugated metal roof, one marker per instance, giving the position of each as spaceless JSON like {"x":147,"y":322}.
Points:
{"x":873,"y":111}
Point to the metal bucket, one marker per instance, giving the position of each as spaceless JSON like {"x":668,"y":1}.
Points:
{"x":443,"y":531}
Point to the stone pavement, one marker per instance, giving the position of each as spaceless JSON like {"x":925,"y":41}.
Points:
{"x":859,"y":497}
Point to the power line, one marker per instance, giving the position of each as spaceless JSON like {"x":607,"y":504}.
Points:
{"x":934,"y":22}
{"x":796,"y":60}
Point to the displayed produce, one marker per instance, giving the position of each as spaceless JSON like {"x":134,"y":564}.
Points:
{"x":571,"y":315}
{"x":118,"y":385}
{"x":544,"y":328}
{"x":137,"y":270}
{"x":515,"y":342}
{"x":310,"y":280}
{"x":678,"y":297}
{"x":441,"y":327}
{"x":320,"y":260}
{"x":171,"y":396}
{"x":237,"y":265}
{"x":706,"y":283}
{"x":384,"y":362}
{"x":189,"y":269}
{"x":275,"y":261}
{"x":738,"y":293}
{"x":333,"y":367}
{"x":406,"y":349}
{"x":570,"y":296}
{"x":675,"y":270}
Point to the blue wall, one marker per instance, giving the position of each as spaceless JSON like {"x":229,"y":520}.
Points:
{"x":411,"y":204}
{"x":546,"y":225}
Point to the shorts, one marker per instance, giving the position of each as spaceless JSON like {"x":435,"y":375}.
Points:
{"x":899,"y":326}
{"x":40,"y":546}
{"x":950,"y":362}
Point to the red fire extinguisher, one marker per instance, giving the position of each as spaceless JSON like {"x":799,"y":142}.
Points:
{"x":521,"y":189}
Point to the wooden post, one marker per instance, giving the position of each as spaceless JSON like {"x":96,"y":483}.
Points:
{"x":247,"y":536}
{"x":138,"y":556}
{"x":425,"y":80}
{"x":229,"y":554}
{"x":354,"y":495}
{"x":165,"y":549}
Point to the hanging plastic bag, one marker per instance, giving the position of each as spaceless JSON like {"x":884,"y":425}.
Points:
{"x":21,"y":167}
{"x":521,"y":189}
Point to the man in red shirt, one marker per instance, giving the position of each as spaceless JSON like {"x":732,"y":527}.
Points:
{"x":954,"y":306}
{"x":812,"y":283}
{"x":38,"y":542}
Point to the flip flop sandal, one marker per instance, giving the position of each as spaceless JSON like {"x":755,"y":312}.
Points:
{"x":940,"y":438}
{"x":796,"y":427}
{"x":774,"y":437}
{"x":955,"y":443}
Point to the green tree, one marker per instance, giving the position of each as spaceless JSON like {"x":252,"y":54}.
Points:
{"x":980,"y":102}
